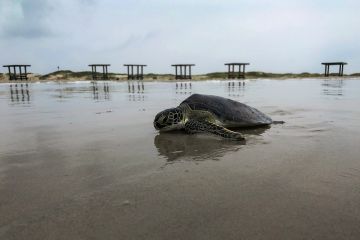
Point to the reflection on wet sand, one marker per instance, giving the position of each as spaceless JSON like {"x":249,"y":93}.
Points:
{"x":20,"y":93}
{"x":180,"y":146}
{"x":100,"y":92}
{"x":235,"y":88}
{"x":333,"y":87}
{"x":136,"y":91}
{"x":97,"y":90}
{"x":183,"y":88}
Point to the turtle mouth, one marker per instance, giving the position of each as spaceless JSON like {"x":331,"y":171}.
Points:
{"x":158,"y":126}
{"x":162,"y":126}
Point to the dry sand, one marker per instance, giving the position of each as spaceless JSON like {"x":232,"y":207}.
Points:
{"x":82,"y":161}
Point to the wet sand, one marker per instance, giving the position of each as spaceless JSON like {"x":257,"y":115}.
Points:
{"x":83,"y":161}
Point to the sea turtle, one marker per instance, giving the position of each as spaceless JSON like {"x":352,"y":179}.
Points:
{"x":211,"y":114}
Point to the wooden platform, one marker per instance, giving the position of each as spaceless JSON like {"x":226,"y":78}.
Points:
{"x":131,"y":75}
{"x":181,"y":71}
{"x":99,"y":76}
{"x":21,"y":74}
{"x":236,"y":74}
{"x":328,"y":64}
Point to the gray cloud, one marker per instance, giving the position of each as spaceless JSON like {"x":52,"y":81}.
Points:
{"x":280,"y":36}
{"x":28,"y":19}
{"x":88,"y":2}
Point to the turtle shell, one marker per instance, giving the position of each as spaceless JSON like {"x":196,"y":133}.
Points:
{"x":230,"y":113}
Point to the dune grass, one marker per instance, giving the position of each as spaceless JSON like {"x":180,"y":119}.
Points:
{"x":87,"y":75}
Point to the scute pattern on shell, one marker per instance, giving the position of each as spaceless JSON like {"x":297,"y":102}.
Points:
{"x":227,"y":110}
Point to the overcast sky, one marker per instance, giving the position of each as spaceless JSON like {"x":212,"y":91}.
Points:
{"x":273,"y":35}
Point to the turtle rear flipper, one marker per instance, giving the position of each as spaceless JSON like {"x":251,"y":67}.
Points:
{"x":195,"y":126}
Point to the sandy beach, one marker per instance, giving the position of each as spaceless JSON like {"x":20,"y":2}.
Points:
{"x":82,"y":160}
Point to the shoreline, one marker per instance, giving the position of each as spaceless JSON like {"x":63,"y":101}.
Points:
{"x":69,"y":76}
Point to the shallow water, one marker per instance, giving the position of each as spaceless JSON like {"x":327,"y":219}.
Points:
{"x":82,"y":160}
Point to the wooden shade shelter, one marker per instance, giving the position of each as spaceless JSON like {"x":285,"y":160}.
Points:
{"x":181,"y":71}
{"x":232,"y":73}
{"x":328,"y":64}
{"x":131,"y":75}
{"x":20,"y":74}
{"x":99,"y":76}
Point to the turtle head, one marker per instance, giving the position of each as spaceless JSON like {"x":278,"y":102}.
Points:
{"x":169,"y":119}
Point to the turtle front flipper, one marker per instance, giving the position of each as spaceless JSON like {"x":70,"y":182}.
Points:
{"x":195,"y":126}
